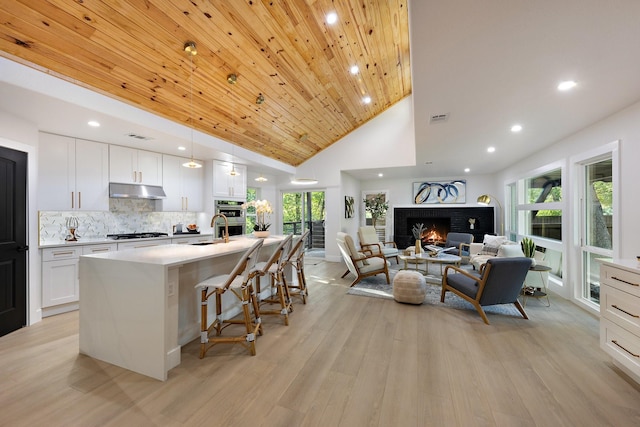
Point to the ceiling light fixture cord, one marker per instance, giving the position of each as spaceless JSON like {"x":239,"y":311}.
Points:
{"x":190,"y":48}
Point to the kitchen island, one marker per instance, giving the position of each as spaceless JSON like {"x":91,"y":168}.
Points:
{"x":137,"y":307}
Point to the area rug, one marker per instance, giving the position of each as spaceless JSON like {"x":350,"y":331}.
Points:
{"x":376,"y":287}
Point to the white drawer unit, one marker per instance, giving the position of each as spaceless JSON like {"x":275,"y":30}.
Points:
{"x":99,"y":249}
{"x":60,"y":276}
{"x":620,"y":313}
{"x":189,"y":240}
{"x":143,"y":243}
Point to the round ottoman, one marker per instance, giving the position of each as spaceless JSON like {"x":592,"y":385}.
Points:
{"x":409,"y":287}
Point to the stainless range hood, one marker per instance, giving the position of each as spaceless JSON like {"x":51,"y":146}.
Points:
{"x":135,"y":191}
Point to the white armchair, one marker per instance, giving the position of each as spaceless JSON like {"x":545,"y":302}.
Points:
{"x":369,"y":242}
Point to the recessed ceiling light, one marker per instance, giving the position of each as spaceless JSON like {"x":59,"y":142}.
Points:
{"x":354,"y":69}
{"x":366,"y":100}
{"x":93,"y":123}
{"x":567,"y":85}
{"x":428,"y":162}
{"x":516,"y":128}
{"x":467,"y":169}
{"x":181,"y":148}
{"x":332,"y":17}
{"x":491,"y":149}
{"x":380,"y":175}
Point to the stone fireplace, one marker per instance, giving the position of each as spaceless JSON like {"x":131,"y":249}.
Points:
{"x":440,"y":221}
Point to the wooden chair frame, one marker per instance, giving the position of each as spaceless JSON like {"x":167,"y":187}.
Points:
{"x":353,"y":261}
{"x":481,"y":283}
{"x":276,"y":281}
{"x":245,"y":293}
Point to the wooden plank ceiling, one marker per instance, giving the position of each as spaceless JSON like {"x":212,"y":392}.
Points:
{"x":132,"y":50}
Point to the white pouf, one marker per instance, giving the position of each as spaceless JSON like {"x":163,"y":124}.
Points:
{"x":409,"y":287}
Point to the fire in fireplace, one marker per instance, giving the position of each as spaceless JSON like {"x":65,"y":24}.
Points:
{"x":436,"y":229}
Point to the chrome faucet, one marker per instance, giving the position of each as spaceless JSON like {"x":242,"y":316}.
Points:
{"x":225,"y":236}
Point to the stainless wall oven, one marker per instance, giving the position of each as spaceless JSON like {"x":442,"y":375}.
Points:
{"x":235,"y":215}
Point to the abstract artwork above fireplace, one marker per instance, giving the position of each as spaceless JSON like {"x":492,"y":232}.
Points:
{"x":440,"y":192}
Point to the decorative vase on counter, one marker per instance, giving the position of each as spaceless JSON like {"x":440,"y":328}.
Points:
{"x":418,"y":250}
{"x":261,"y":234}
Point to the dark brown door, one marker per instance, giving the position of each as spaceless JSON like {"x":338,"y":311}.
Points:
{"x":13,"y":240}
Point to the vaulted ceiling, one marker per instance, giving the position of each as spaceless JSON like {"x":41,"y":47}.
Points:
{"x":132,"y":50}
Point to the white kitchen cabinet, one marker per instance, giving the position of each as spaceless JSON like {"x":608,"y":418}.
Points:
{"x":142,"y":243}
{"x":620,"y":314}
{"x":183,"y":186}
{"x":131,"y":166}
{"x":60,"y":276}
{"x":73,"y":174}
{"x":189,"y":240}
{"x":228,"y":186}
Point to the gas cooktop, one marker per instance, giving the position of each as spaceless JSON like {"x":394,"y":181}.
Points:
{"x":135,"y":235}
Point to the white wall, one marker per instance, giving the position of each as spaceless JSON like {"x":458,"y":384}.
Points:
{"x":385,"y":141}
{"x":623,"y":126}
{"x":20,"y":135}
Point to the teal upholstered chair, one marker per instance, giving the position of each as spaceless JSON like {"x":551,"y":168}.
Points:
{"x":499,"y":281}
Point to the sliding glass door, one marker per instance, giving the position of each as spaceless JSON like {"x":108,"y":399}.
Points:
{"x":305,"y":210}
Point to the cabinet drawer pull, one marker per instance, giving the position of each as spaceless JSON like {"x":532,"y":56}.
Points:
{"x":624,"y":281}
{"x":72,"y":197}
{"x":79,"y":199}
{"x":63,"y":253}
{"x":633,"y":354}
{"x":624,"y":311}
{"x":100,"y":250}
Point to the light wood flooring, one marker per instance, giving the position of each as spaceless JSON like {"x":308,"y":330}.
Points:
{"x":343,"y":361}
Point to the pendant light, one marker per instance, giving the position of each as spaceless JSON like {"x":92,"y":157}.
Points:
{"x":190,"y":49}
{"x":232,"y":79}
{"x":260,"y":101}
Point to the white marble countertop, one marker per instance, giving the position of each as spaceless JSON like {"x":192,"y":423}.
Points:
{"x":172,"y":255}
{"x":104,"y":240}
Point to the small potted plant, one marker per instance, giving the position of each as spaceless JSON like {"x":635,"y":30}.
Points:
{"x":529,"y":249}
{"x":417,"y":231}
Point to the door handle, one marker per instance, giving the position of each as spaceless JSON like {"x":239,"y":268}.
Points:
{"x":22,"y":248}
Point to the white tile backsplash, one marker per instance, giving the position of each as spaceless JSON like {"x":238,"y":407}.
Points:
{"x":124,"y":216}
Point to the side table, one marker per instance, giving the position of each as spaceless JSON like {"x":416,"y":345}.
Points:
{"x":531,"y":292}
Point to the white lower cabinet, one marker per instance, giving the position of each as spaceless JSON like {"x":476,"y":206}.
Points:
{"x":190,"y":240}
{"x":60,"y":285}
{"x":620,"y":314}
{"x":60,"y":276}
{"x":143,"y":243}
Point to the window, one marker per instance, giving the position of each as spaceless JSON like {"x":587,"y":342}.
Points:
{"x":597,"y":220}
{"x":535,"y":210}
{"x":540,"y":214}
{"x":252,"y":194}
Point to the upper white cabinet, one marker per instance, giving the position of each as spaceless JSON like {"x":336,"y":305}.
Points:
{"x":184,"y":186}
{"x":229,"y":186}
{"x":128,"y":165}
{"x":73,"y":174}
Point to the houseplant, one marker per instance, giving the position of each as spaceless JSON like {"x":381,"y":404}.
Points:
{"x":417,"y":231}
{"x":262,"y":207}
{"x":376,"y":206}
{"x":529,"y":249}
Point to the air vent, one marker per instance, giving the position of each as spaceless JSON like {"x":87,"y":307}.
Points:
{"x":140,"y":137}
{"x":439,"y":118}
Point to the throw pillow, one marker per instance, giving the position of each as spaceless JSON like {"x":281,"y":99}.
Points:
{"x":510,"y":251}
{"x":364,"y":261}
{"x":491,"y":244}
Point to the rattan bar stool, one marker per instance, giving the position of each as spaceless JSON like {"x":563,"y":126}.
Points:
{"x":296,"y":260}
{"x":274,"y":268}
{"x":240,"y":283}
